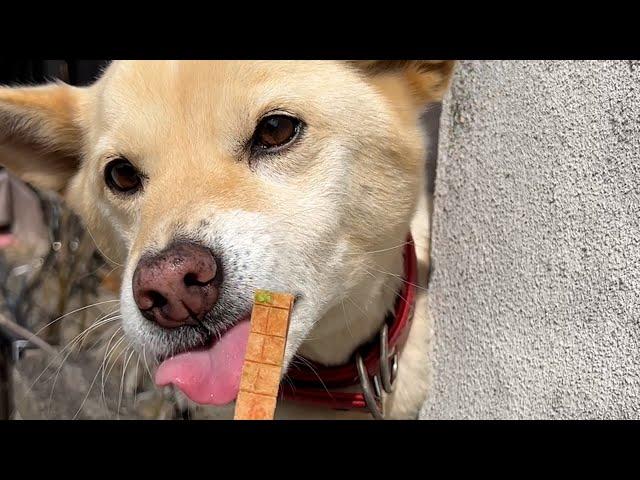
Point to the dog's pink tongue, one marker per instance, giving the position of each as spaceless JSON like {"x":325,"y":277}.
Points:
{"x":210,"y":376}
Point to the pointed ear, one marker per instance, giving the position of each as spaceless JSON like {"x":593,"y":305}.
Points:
{"x":40,"y":134}
{"x":427,"y":80}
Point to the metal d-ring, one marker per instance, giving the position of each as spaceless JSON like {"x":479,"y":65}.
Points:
{"x":374,"y":402}
{"x":394,"y":367}
{"x":388,"y":361}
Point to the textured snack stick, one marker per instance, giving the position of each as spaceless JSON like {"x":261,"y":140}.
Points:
{"x":262,"y":367}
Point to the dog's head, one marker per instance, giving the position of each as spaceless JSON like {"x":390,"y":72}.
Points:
{"x":209,"y":180}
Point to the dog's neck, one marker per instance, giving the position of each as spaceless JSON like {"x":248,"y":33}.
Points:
{"x":359,"y":315}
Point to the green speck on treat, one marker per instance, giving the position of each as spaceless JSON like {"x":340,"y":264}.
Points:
{"x":263,"y":297}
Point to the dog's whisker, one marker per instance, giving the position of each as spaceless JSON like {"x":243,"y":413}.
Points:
{"x":346,"y":319}
{"x":401,"y":278}
{"x":366,"y":252}
{"x":97,"y":270}
{"x":136,"y":379}
{"x":146,"y":364}
{"x":390,"y":289}
{"x":100,"y":250}
{"x":74,"y":311}
{"x":79,"y":338}
{"x":356,"y":305}
{"x":116,"y":315}
{"x":102,"y":367}
{"x":56,"y":358}
{"x":315,"y":372}
{"x":102,"y":337}
{"x":124,"y":369}
{"x":287,"y":379}
{"x":84,"y":400}
{"x":115,"y":361}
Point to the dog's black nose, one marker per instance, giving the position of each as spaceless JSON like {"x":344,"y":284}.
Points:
{"x":178,"y":286}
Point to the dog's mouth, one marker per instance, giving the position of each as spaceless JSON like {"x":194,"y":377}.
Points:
{"x":209,"y":375}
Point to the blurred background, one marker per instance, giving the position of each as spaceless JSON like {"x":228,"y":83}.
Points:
{"x":62,"y":355}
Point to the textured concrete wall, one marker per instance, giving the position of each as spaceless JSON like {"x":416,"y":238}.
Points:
{"x":536,"y":242}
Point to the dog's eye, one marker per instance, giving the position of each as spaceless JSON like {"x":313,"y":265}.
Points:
{"x":275,"y":131}
{"x":123,"y":177}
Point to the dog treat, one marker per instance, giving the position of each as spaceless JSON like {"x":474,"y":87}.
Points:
{"x":263,"y":360}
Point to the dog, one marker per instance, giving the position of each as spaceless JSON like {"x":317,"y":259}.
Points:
{"x":207,"y":180}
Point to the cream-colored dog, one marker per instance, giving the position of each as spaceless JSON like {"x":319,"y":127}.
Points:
{"x":209,"y":179}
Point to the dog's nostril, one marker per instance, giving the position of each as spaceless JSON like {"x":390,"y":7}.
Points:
{"x":158,"y":300}
{"x":191,"y":279}
{"x":150,"y":299}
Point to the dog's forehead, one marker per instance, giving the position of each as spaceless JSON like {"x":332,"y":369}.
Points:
{"x":217,"y":84}
{"x":152,"y":109}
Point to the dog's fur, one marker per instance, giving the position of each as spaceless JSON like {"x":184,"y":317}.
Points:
{"x":325,"y":219}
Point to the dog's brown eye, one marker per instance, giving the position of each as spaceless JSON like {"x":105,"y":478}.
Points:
{"x":275,"y":131}
{"x":122,"y":177}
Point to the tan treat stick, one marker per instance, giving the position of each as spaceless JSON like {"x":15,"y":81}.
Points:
{"x":265,"y":352}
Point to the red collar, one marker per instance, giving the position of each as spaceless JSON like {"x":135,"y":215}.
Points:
{"x":315,"y":384}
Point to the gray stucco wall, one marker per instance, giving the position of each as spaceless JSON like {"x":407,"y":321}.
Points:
{"x":536,"y":242}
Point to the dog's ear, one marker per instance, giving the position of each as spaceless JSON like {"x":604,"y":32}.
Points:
{"x":426,"y":80}
{"x":40,"y":134}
